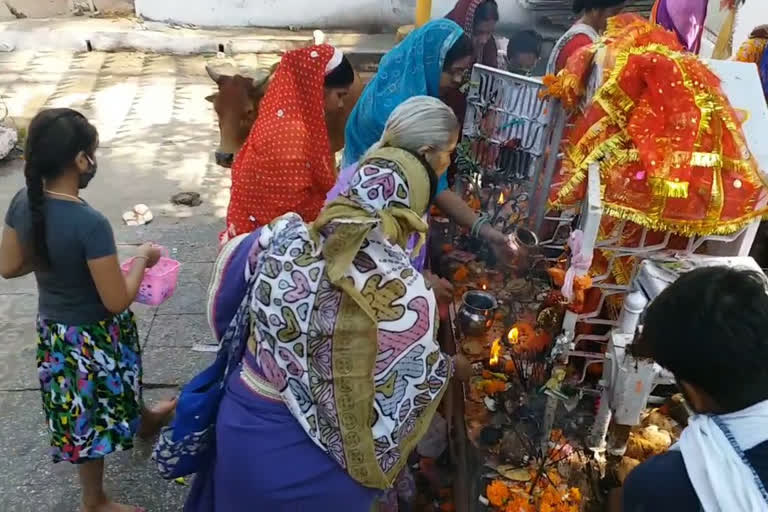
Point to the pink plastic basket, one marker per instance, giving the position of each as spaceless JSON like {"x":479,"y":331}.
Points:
{"x":159,"y":282}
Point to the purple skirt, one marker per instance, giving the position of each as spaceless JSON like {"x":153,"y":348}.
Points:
{"x":266,"y":462}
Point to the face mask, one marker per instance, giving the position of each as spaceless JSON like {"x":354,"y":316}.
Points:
{"x":87,"y":176}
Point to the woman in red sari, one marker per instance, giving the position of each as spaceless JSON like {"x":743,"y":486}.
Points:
{"x":286,"y":164}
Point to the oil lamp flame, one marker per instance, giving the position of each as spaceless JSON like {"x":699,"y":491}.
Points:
{"x":501,"y":198}
{"x":512,"y":336}
{"x":485,"y":286}
{"x":495,"y":353}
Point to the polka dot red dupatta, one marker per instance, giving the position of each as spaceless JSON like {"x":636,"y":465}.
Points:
{"x":285,"y":164}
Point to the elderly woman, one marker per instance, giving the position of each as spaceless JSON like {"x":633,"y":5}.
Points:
{"x":286,"y":163}
{"x":342,"y":373}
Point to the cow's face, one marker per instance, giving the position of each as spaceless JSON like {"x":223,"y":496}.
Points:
{"x":236,"y":104}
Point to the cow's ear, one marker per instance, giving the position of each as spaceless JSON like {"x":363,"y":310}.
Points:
{"x":210,"y":98}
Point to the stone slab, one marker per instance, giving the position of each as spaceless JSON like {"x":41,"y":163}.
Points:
{"x":190,"y":297}
{"x":32,"y":483}
{"x":179,"y":331}
{"x":173,"y":366}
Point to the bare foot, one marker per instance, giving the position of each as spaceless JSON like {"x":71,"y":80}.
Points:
{"x":152,"y":420}
{"x":110,"y":506}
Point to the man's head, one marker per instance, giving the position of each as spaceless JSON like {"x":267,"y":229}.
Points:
{"x":710,"y":329}
{"x":523,"y":51}
{"x":597,"y":12}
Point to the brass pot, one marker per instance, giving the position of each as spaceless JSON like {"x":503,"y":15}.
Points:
{"x":476,"y":313}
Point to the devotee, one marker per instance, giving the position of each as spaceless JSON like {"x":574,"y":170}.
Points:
{"x":286,"y":163}
{"x":753,"y":50}
{"x":441,"y":119}
{"x":523,"y":52}
{"x":433,"y":59}
{"x":683,"y":17}
{"x":586,"y":30}
{"x":478,"y":18}
{"x":708,"y":329}
{"x":342,"y":373}
{"x":88,"y":353}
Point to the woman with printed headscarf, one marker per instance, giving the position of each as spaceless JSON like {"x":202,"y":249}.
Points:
{"x":342,"y":372}
{"x":286,"y":163}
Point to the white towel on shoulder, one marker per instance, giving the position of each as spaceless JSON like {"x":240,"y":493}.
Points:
{"x":723,"y":481}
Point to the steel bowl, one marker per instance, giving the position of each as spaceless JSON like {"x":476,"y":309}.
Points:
{"x":526,"y":238}
{"x":476,"y":313}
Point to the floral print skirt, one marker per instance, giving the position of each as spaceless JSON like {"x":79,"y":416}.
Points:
{"x":90,"y":377}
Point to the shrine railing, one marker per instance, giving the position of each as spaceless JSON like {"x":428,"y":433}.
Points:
{"x":506,"y":139}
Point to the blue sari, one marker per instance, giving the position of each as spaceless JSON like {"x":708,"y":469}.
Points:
{"x":763,"y":69}
{"x":412,"y":68}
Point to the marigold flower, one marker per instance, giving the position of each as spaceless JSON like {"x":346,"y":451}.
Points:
{"x":495,"y":386}
{"x":498,"y":493}
{"x":519,"y":504}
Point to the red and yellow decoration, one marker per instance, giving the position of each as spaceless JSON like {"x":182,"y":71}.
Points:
{"x":671,"y":150}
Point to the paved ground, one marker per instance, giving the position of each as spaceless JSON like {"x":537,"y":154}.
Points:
{"x":157,"y":137}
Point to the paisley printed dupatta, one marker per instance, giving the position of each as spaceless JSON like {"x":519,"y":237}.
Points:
{"x":345,"y":327}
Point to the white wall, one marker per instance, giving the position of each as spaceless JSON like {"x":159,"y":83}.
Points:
{"x":352,"y":14}
{"x":52,"y":8}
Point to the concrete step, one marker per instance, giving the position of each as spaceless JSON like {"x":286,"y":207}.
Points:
{"x":131,"y":34}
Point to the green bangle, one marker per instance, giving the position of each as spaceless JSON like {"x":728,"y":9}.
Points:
{"x":478,"y":225}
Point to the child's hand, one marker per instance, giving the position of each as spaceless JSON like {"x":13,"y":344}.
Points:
{"x":151,"y":253}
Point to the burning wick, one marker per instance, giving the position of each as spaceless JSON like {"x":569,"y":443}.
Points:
{"x":501,"y":199}
{"x":495,"y":353}
{"x":485,"y":287}
{"x":512,"y":336}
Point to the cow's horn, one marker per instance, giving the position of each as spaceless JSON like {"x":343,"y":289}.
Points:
{"x":259,"y":77}
{"x":215,"y":75}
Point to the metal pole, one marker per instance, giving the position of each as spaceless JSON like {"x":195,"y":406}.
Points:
{"x":423,"y":11}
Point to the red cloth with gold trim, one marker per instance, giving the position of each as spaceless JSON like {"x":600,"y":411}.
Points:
{"x":671,"y":150}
